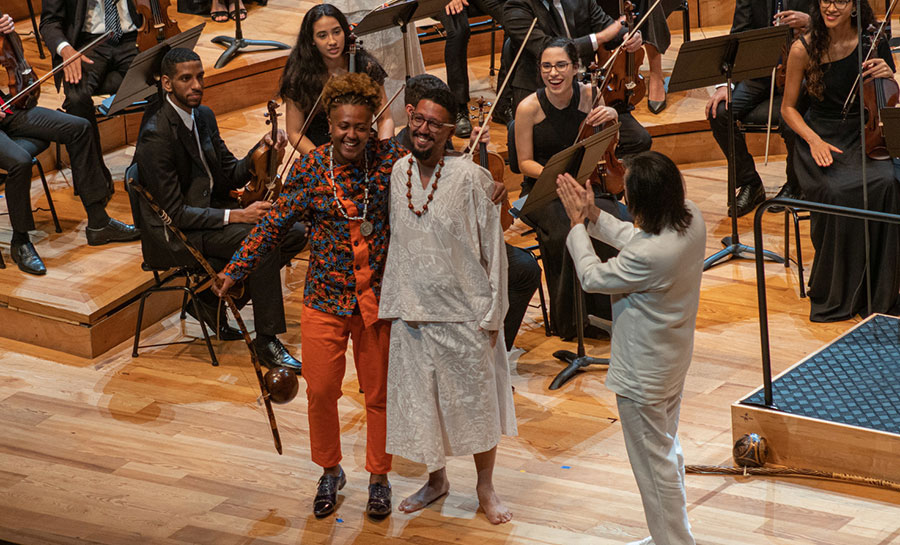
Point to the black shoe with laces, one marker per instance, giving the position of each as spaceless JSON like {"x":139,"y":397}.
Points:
{"x":272,"y":354}
{"x":379,"y":504}
{"x":747,"y":198}
{"x":326,"y":493}
{"x":789,"y":192}
{"x":463,"y":125}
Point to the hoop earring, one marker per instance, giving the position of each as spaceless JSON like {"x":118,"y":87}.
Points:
{"x":853,"y":13}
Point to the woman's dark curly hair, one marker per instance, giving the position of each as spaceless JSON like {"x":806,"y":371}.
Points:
{"x":819,"y":42}
{"x":356,"y":88}
{"x":305,"y":72}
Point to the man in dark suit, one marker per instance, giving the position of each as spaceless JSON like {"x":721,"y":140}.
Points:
{"x":185,"y":165}
{"x":75,"y":133}
{"x":590,"y":28}
{"x":750,"y":101}
{"x":67,"y":26}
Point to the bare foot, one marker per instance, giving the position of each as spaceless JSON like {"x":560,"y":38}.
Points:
{"x":496,"y":512}
{"x":429,"y":493}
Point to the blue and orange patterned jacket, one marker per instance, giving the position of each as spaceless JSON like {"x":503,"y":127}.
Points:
{"x":345,"y":268}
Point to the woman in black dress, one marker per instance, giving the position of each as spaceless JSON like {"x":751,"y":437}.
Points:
{"x":547,"y":122}
{"x":320,"y":52}
{"x":829,"y":169}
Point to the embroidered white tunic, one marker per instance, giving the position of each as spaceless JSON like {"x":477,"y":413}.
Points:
{"x":445,"y":288}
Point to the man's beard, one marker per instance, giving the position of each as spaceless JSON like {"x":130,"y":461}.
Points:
{"x":423,"y":155}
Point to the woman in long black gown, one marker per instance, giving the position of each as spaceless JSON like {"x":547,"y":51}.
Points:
{"x":547,"y":122}
{"x":829,"y":167}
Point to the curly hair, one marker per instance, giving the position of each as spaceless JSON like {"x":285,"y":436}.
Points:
{"x":354,"y":88}
{"x":305,"y":71}
{"x":819,"y":41}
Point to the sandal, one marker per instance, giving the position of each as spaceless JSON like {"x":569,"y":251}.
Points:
{"x":219,"y":16}
{"x":243,"y":13}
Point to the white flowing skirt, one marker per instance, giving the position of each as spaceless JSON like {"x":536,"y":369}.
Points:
{"x":449,"y":392}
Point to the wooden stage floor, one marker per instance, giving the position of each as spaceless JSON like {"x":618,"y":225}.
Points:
{"x":168,"y":449}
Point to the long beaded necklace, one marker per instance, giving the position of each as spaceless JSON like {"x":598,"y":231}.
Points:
{"x":434,"y":184}
{"x":366,"y":226}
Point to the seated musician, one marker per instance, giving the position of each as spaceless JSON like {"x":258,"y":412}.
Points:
{"x":75,"y":133}
{"x":455,"y":20}
{"x":749,"y":102}
{"x":185,"y":165}
{"x":589,"y":27}
{"x":824,"y":64}
{"x":547,"y":122}
{"x":69,"y":25}
{"x":322,"y":51}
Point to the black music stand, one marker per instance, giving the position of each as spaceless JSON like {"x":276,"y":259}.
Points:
{"x":236,"y":44}
{"x":725,"y":59}
{"x":142,"y":78}
{"x":579,"y":161}
{"x":399,"y":14}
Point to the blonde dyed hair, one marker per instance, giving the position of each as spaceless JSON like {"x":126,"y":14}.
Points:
{"x":353,"y":88}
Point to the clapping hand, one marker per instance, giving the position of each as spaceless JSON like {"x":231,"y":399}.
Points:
{"x":577,"y":200}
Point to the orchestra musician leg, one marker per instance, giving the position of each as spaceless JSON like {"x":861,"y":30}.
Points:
{"x":633,"y":137}
{"x":456,"y":54}
{"x":110,"y":62}
{"x":523,"y":280}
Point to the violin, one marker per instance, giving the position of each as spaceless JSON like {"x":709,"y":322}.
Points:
{"x":266,"y":182}
{"x":19,"y":73}
{"x":157,"y":26}
{"x":352,"y":47}
{"x":625,"y":84}
{"x":609,"y":175}
{"x":493,"y":163}
{"x":878,"y":93}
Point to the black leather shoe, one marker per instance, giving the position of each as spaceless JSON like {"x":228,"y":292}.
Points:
{"x":463,"y":125}
{"x":747,"y":198}
{"x":326,"y":494}
{"x":272,"y":354}
{"x":379,"y":504}
{"x":787,"y":192}
{"x":27,"y":258}
{"x":503,"y":113}
{"x":115,"y":231}
{"x":210,"y":312}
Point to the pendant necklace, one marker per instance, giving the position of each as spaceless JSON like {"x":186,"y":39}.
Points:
{"x":366,"y":227}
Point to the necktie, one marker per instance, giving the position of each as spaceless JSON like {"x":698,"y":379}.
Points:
{"x":202,"y":155}
{"x":561,"y":27}
{"x":111,"y":19}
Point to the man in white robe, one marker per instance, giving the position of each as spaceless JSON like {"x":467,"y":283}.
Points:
{"x":444,"y":289}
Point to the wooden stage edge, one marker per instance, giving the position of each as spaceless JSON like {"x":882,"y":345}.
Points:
{"x":812,"y":443}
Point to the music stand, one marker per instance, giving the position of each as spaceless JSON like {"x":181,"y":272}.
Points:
{"x":724,"y":59}
{"x":142,"y":78}
{"x":399,"y":14}
{"x":236,"y":44}
{"x":579,"y":161}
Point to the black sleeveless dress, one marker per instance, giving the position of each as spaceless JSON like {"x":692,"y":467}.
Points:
{"x":551,"y":223}
{"x":838,"y":277}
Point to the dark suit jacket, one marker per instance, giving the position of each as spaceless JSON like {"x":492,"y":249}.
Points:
{"x":63,"y":20}
{"x":583,"y":17}
{"x":169,"y":166}
{"x":753,"y":14}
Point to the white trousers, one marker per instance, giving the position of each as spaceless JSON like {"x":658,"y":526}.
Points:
{"x":655,"y":454}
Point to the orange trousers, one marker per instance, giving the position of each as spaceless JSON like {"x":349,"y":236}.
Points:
{"x":323,"y":347}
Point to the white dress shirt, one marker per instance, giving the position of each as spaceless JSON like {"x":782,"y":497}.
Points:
{"x":557,"y":4}
{"x":95,"y":19}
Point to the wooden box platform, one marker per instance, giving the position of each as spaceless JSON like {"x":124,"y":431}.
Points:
{"x":861,"y":435}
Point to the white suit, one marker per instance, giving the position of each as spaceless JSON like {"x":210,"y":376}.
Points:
{"x":655,"y":288}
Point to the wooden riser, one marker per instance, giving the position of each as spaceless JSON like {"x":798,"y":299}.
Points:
{"x":808,"y":443}
{"x":85,"y":340}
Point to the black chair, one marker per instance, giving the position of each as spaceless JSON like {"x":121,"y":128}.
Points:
{"x":35,"y":147}
{"x":755,"y":122}
{"x":194,"y":277}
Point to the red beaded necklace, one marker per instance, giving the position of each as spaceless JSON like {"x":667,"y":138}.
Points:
{"x":434,"y":184}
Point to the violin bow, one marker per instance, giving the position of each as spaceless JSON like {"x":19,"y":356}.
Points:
{"x":24,"y":92}
{"x":312,"y":113}
{"x":855,"y":88}
{"x":388,"y":104}
{"x":471,"y":150}
{"x":228,"y":301}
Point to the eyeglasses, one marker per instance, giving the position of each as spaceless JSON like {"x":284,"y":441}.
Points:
{"x":561,"y":66}
{"x":839,"y":4}
{"x":417,"y":120}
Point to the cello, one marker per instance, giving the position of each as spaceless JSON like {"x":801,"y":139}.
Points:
{"x":156,"y":26}
{"x":493,"y":163}
{"x":19,"y":73}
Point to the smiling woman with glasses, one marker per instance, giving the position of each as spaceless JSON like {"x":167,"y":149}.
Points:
{"x":828,"y":163}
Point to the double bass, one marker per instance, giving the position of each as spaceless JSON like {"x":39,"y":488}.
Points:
{"x":157,"y":26}
{"x":19,"y":73}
